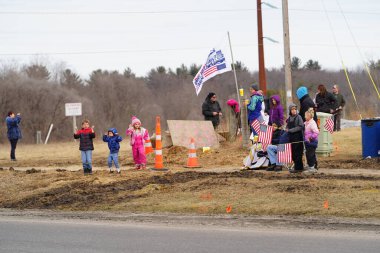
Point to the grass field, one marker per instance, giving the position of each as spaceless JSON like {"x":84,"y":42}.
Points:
{"x":190,"y":191}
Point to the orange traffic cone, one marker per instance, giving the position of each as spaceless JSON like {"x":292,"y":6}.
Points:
{"x":158,"y":165}
{"x":192,"y":161}
{"x":148,"y":146}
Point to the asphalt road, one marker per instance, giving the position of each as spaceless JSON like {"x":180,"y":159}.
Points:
{"x":39,"y":235}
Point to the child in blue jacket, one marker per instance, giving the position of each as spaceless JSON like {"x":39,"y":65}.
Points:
{"x":113,"y":139}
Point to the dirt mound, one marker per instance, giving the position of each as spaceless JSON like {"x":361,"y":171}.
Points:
{"x":90,"y":192}
{"x":350,"y":164}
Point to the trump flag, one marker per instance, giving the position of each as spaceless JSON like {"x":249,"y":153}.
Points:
{"x":216,"y":64}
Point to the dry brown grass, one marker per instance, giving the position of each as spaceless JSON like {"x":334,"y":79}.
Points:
{"x":184,"y":191}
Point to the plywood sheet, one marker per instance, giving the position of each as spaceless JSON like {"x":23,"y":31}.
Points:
{"x":202,"y":131}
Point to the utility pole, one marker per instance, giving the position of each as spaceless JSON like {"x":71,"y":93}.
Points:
{"x":288,"y":68}
{"x":262,"y":79}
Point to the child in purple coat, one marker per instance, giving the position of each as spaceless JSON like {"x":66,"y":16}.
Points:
{"x":276,"y":112}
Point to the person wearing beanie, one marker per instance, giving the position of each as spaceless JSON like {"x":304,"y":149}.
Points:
{"x":306,"y":102}
{"x":211,"y":109}
{"x":113,"y":139}
{"x":294,"y":128}
{"x":254,"y":106}
{"x":138,"y":136}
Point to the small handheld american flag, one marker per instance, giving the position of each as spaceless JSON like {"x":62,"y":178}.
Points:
{"x":265,"y":135}
{"x":329,"y":125}
{"x":256,"y":124}
{"x":284,"y":153}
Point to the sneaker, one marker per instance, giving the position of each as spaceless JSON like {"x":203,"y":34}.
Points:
{"x":310,"y":171}
{"x":278,"y":168}
{"x":111,"y":171}
{"x":118,"y":171}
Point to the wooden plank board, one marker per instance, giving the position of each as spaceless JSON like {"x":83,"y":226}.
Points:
{"x":202,"y":131}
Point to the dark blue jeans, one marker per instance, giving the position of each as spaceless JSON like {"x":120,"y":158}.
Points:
{"x":13,"y":148}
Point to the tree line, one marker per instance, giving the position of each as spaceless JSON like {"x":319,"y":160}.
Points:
{"x":110,"y":98}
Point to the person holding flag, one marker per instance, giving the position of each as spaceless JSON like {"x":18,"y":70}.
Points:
{"x":294,"y":128}
{"x":254,"y":106}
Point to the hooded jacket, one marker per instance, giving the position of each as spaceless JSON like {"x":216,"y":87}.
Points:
{"x":295,"y":126}
{"x":276,"y":112}
{"x":254,"y":106}
{"x":208,"y":107}
{"x":14,"y":132}
{"x":113,"y":141}
{"x":306,"y":102}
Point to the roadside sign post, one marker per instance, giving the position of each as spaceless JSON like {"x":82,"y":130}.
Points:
{"x":73,"y":109}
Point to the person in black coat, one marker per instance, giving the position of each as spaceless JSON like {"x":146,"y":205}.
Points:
{"x":306,"y":102}
{"x":325,"y":101}
{"x":211,"y":109}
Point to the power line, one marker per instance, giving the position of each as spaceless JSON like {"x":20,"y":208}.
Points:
{"x":167,"y":49}
{"x":171,"y":12}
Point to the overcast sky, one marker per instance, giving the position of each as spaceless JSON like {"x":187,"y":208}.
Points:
{"x":143,"y":34}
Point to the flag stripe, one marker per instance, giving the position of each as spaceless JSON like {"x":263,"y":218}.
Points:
{"x":265,"y":135}
{"x":329,"y":125}
{"x":216,"y":64}
{"x":284,"y":153}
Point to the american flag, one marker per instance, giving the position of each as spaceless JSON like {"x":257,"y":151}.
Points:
{"x":329,"y":125}
{"x":265,"y":135}
{"x":213,"y":69}
{"x":284,"y":153}
{"x":256,"y":124}
{"x":216,"y":64}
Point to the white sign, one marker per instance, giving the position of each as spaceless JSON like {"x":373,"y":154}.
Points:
{"x":73,"y":109}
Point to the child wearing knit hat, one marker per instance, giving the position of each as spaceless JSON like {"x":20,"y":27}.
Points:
{"x":138,"y":136}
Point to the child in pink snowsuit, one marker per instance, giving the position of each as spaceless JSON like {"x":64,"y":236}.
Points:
{"x":138,"y":136}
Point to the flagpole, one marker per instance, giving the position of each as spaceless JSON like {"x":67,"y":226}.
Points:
{"x":233,"y":67}
{"x":243,"y":108}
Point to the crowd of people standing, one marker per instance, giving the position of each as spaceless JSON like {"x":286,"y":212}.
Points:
{"x":300,"y":127}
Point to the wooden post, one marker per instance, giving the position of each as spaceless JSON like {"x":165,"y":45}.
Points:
{"x":260,"y":38}
{"x":288,"y":68}
{"x":38,"y":137}
{"x":75,"y":125}
{"x":232,"y":124}
{"x":244,"y":125}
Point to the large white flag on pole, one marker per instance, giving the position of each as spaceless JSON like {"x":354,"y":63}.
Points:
{"x":216,"y":64}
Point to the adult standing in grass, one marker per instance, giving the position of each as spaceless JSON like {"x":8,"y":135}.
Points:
{"x":325,"y":101}
{"x":340,"y":104}
{"x":14,"y":132}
